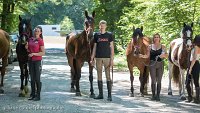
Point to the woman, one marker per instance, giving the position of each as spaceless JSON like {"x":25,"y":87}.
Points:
{"x":157,"y":54}
{"x":35,"y":47}
{"x":194,"y":70}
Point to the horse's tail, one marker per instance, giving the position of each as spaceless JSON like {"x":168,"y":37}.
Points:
{"x":146,"y":74}
{"x":175,"y":73}
{"x":169,"y":57}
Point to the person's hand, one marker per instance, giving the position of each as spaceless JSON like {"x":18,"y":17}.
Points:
{"x":26,"y":46}
{"x":190,"y":71}
{"x":92,"y":62}
{"x":30,"y":55}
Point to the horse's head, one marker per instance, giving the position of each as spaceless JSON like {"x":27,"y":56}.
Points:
{"x":25,"y":30}
{"x":186,"y":35}
{"x":137,"y":39}
{"x":89,"y":25}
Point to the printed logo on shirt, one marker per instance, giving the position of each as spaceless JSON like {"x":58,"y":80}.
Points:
{"x":102,"y":40}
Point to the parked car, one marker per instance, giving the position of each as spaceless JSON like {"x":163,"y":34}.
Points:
{"x":12,"y":53}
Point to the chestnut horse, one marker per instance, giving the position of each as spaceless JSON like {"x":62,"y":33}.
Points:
{"x":138,"y":45}
{"x":25,"y":32}
{"x":180,"y":49}
{"x":4,"y":51}
{"x":78,"y":50}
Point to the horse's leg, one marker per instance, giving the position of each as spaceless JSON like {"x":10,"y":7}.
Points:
{"x":22,"y":92}
{"x":92,"y":95}
{"x":170,"y":78}
{"x":72,"y":71}
{"x":26,"y":79}
{"x":131,"y":79}
{"x":3,"y":69}
{"x":182,"y":85}
{"x":73,"y":80}
{"x":142,"y":81}
{"x":78,"y":64}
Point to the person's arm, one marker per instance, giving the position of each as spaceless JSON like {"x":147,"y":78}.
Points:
{"x":194,"y":55}
{"x":164,"y":54}
{"x":41,"y":53}
{"x":112,"y":53}
{"x":93,"y":54}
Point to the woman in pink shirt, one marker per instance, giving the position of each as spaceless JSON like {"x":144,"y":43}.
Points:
{"x":36,"y":50}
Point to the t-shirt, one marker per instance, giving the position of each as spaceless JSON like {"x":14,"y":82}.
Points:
{"x":103,"y":49}
{"x":34,"y":47}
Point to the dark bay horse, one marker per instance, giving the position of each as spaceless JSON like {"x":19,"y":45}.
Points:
{"x":25,"y":32}
{"x":180,"y":49}
{"x":4,"y":51}
{"x":138,"y":45}
{"x":78,"y":50}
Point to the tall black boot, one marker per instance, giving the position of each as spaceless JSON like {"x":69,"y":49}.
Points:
{"x":189,"y":93}
{"x":196,"y":100}
{"x":153,"y":89}
{"x":158,"y":92}
{"x":32,"y":95}
{"x":39,"y":86}
{"x":100,"y":86}
{"x":109,"y":87}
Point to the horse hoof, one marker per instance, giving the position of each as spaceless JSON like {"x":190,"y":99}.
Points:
{"x":1,"y":91}
{"x":72,"y":90}
{"x":78,"y":93}
{"x":142,"y":95}
{"x":26,"y":90}
{"x":131,"y":95}
{"x":169,"y":93}
{"x":145,"y":93}
{"x":183,"y":98}
{"x":21,"y":95}
{"x":92,"y":95}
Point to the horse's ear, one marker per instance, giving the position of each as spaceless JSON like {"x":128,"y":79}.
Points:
{"x":86,"y":13}
{"x":141,"y":28}
{"x":192,"y":24}
{"x":184,"y":24}
{"x":93,"y":14}
{"x":133,"y":28}
{"x":20,"y":18}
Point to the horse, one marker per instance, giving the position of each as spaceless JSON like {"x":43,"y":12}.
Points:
{"x":179,"y":54}
{"x":25,"y":32}
{"x":78,"y":50}
{"x":138,"y":45}
{"x":4,"y":51}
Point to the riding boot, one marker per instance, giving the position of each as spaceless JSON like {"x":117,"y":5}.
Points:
{"x":109,"y":87}
{"x":32,"y":95}
{"x":158,"y":92}
{"x":189,"y":93}
{"x":100,"y":86}
{"x":196,"y":100}
{"x":39,"y":85}
{"x":153,"y":88}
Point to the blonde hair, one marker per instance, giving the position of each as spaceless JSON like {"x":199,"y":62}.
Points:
{"x":102,"y":22}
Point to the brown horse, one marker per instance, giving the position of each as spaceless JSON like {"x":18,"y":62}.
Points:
{"x":78,"y":50}
{"x":138,"y":45}
{"x":4,"y":51}
{"x":180,"y":49}
{"x":25,"y":32}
